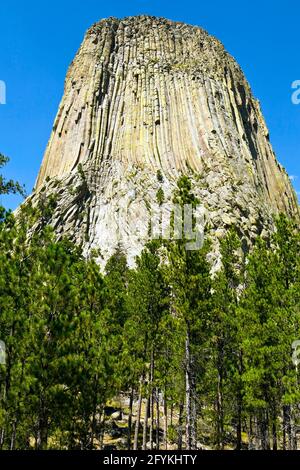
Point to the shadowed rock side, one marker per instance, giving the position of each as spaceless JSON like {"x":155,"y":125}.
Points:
{"x":145,"y":94}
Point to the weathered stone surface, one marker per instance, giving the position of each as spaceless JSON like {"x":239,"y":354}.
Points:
{"x":145,"y":94}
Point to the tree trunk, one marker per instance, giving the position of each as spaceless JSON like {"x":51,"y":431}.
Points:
{"x":257,"y":431}
{"x":287,"y":428}
{"x":130,"y":420}
{"x":251,"y":443}
{"x":146,"y":423}
{"x":165,"y":422}
{"x":239,"y":424}
{"x":151,"y":427}
{"x":194,"y":418}
{"x":264,"y":431}
{"x":102,"y":428}
{"x":138,"y":417}
{"x":157,"y":419}
{"x":220,"y":412}
{"x":180,"y":423}
{"x":239,"y":404}
{"x":274,"y":434}
{"x":93,"y":425}
{"x":151,"y":399}
{"x":13,"y":435}
{"x":42,"y":435}
{"x":2,"y":435}
{"x":293,"y":429}
{"x":188,"y":390}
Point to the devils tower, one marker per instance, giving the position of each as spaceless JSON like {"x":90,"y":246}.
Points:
{"x":145,"y":101}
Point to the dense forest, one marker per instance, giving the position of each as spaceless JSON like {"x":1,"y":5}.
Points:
{"x":188,"y":359}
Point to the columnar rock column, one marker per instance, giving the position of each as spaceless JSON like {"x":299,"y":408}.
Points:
{"x":146,"y":100}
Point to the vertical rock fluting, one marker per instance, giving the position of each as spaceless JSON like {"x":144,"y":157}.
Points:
{"x":145,"y":94}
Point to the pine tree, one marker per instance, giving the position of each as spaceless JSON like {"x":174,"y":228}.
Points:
{"x":227,"y":357}
{"x":147,"y":302}
{"x":188,"y":274}
{"x":270,"y":317}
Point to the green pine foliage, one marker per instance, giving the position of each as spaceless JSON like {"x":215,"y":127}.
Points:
{"x":9,"y":186}
{"x":196,"y":359}
{"x":160,"y":196}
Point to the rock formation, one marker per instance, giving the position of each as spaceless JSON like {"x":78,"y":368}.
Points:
{"x":146,"y":100}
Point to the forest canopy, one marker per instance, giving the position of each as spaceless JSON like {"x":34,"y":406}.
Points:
{"x":183,"y":359}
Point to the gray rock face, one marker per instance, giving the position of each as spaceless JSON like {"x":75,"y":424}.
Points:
{"x":147,"y":100}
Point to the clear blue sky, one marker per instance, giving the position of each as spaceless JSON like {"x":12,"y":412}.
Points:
{"x":38,"y":40}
